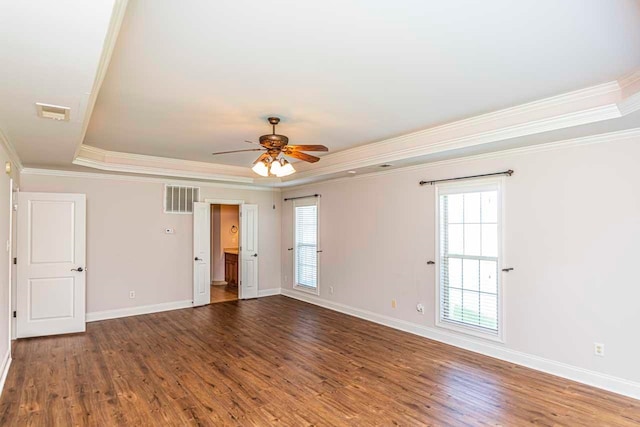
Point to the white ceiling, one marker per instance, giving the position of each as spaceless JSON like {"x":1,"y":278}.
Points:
{"x":49,"y":53}
{"x":190,"y":78}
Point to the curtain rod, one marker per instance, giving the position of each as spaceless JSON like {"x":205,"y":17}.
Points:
{"x":301,"y":197}
{"x":508,"y":173}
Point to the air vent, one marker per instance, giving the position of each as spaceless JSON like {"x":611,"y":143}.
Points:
{"x":178,"y":199}
{"x":55,"y":112}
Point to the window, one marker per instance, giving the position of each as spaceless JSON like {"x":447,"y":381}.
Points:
{"x":179,"y":199}
{"x":306,"y":244}
{"x":469,"y":236}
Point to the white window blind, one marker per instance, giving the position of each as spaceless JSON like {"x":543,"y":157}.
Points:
{"x":469,"y":249}
{"x":179,"y":198}
{"x":306,"y":243}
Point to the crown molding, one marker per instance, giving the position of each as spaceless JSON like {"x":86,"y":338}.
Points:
{"x":114,"y":161}
{"x":597,"y":103}
{"x":512,"y":152}
{"x":138,"y":178}
{"x":630,"y":104}
{"x":11,"y":151}
{"x":117,"y":16}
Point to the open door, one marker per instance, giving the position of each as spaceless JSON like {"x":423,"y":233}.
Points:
{"x":248,"y":252}
{"x":201,"y":253}
{"x":50,"y":294}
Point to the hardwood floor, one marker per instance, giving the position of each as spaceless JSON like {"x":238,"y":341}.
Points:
{"x":223,"y":293}
{"x":280,"y":361}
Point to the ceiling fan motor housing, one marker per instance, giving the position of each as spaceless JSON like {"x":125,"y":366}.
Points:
{"x":273,"y":141}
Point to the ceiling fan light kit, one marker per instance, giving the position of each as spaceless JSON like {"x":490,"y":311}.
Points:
{"x":275,"y":147}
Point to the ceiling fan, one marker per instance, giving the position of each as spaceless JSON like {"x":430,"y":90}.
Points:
{"x":275,"y":147}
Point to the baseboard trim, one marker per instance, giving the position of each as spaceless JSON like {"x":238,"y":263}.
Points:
{"x":574,"y":373}
{"x":136,"y":311}
{"x":268,"y":292}
{"x":96,"y":316}
{"x":6,"y":363}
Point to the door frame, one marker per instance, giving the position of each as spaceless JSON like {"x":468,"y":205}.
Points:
{"x":239,"y":203}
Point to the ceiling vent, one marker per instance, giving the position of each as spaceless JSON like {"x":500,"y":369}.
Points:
{"x":55,"y":112}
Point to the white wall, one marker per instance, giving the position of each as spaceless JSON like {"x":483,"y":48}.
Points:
{"x":127,"y":248}
{"x":572,"y":227}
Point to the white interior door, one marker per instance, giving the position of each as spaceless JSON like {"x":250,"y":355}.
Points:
{"x":249,"y":252}
{"x":201,"y":253}
{"x":50,"y":297}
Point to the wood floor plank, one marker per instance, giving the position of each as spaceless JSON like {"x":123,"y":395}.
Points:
{"x":277,"y":361}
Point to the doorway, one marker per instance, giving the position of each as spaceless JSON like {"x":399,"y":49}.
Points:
{"x":248,"y":260}
{"x":225,"y":226}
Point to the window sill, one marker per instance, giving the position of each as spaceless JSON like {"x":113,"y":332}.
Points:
{"x":470,"y":331}
{"x":307,"y":289}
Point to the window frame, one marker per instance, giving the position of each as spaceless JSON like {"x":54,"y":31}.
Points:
{"x":307,"y":201}
{"x":466,"y":187}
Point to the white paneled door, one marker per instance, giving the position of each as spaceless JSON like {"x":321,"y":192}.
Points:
{"x":51,"y":264}
{"x":201,"y":253}
{"x":249,"y":252}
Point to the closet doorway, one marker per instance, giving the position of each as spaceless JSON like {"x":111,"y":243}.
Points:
{"x":225,"y":240}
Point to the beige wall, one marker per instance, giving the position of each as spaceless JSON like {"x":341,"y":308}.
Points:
{"x":127,"y":248}
{"x":572,"y":227}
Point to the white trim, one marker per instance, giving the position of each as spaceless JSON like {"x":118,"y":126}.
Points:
{"x":136,"y":311}
{"x":630,"y":104}
{"x":6,"y":363}
{"x":116,"y":161}
{"x":268,"y":292}
{"x":117,"y":16}
{"x":146,"y":170}
{"x":135,"y":178}
{"x":431,"y":141}
{"x":531,"y":149}
{"x":11,"y":151}
{"x":224,"y":202}
{"x":495,"y":350}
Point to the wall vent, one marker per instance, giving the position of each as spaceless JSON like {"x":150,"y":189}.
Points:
{"x":55,"y":112}
{"x":179,"y":199}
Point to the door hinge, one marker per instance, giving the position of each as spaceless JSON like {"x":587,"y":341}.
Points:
{"x":14,"y":313}
{"x":15,"y":261}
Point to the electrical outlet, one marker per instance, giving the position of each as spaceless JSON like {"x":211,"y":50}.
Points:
{"x":420,"y":308}
{"x":132,"y":294}
{"x":598,"y":349}
{"x":393,"y":303}
{"x":331,"y":290}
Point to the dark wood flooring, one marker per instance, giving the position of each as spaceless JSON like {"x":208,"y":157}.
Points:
{"x":279,"y":361}
{"x":223,"y":293}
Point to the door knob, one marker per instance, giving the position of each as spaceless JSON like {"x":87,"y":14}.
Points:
{"x":79,"y":269}
{"x":198,"y":259}
{"x":255,"y":255}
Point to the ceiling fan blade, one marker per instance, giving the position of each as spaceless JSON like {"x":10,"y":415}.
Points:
{"x":237,"y":151}
{"x":262,"y":157}
{"x":302,"y":156}
{"x":307,"y":147}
